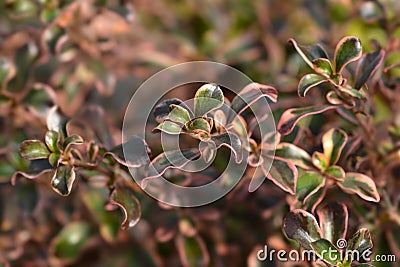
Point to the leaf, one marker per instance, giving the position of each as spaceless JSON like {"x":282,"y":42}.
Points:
{"x":333,"y":220}
{"x":283,"y":173}
{"x":207,"y":98}
{"x":302,"y":227}
{"x":219,"y":120}
{"x":170,"y":159}
{"x":63,"y":179}
{"x":326,"y":251}
{"x":294,"y":154}
{"x":353,"y":92}
{"x":51,"y":140}
{"x":124,"y":198}
{"x":56,"y":121}
{"x":302,"y":52}
{"x":231,"y":141}
{"x":54,"y":159}
{"x":333,"y":98}
{"x":70,"y":242}
{"x":132,"y":153}
{"x":336,"y":172}
{"x":333,"y":142}
{"x":33,"y":149}
{"x":179,"y":114}
{"x":360,"y":184}
{"x":72,"y":139}
{"x":319,"y":160}
{"x":169,"y":127}
{"x":249,"y":95}
{"x":7,"y":71}
{"x":290,"y":117}
{"x":192,"y":251}
{"x":360,"y":241}
{"x":309,"y":81}
{"x":37,"y":168}
{"x":348,"y":49}
{"x":199,"y":125}
{"x":323,"y":66}
{"x":308,"y":184}
{"x":162,"y":110}
{"x":367,"y":66}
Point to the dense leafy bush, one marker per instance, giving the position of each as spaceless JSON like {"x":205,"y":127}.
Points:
{"x":68,"y":67}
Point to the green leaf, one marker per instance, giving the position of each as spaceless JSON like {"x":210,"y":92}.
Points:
{"x":162,"y":110}
{"x":333,"y":143}
{"x":309,"y":81}
{"x":192,"y":251}
{"x":207,"y":98}
{"x":124,"y":198}
{"x":309,"y":53}
{"x":54,"y":159}
{"x":51,"y":139}
{"x":63,"y":180}
{"x":308,"y":184}
{"x":199,"y":125}
{"x":290,"y":117}
{"x":323,"y":66}
{"x":353,"y":92}
{"x":169,"y":127}
{"x":219,"y":120}
{"x":302,"y":227}
{"x":70,"y":242}
{"x":319,"y":160}
{"x":333,"y":220}
{"x":283,"y":173}
{"x":360,"y":184}
{"x":326,"y":251}
{"x":349,"y":49}
{"x":335,"y":171}
{"x":231,"y":141}
{"x":33,"y":149}
{"x":7,"y":71}
{"x":333,"y":98}
{"x":361,"y":241}
{"x":179,"y":114}
{"x":294,"y":154}
{"x":249,"y":95}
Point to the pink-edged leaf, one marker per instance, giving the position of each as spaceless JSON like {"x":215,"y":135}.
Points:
{"x":207,"y":98}
{"x":132,"y":153}
{"x":283,"y":173}
{"x":231,"y":141}
{"x":309,"y":81}
{"x":63,"y":179}
{"x":333,"y":98}
{"x":169,"y":127}
{"x":348,"y":49}
{"x":323,"y":66}
{"x":192,"y":251}
{"x":360,"y":184}
{"x":124,"y":198}
{"x":169,"y":160}
{"x":333,"y":142}
{"x":367,"y":66}
{"x":319,"y":160}
{"x":309,"y":184}
{"x":302,"y":227}
{"x":333,"y":220}
{"x":291,"y":116}
{"x":294,"y":154}
{"x":300,"y":51}
{"x":335,"y":172}
{"x":249,"y":95}
{"x":33,"y":149}
{"x":36,"y":169}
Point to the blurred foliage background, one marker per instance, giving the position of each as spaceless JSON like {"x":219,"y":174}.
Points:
{"x":87,"y":55}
